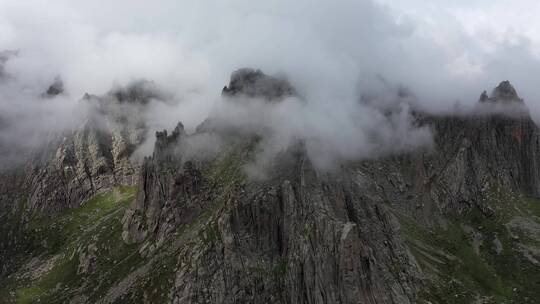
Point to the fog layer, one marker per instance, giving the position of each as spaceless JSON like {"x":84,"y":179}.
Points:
{"x":333,"y":53}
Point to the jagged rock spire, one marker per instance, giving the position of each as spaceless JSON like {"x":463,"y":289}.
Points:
{"x":165,"y":143}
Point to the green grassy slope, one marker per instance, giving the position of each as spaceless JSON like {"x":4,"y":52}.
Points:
{"x":49,"y":270}
{"x":479,"y":259}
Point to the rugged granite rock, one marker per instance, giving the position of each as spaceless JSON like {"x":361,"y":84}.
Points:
{"x":305,"y":236}
{"x":73,"y":167}
{"x":454,"y":224}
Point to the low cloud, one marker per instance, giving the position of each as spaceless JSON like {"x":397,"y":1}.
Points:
{"x":357,"y":67}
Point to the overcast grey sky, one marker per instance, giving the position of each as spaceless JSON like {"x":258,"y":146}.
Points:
{"x":93,"y":43}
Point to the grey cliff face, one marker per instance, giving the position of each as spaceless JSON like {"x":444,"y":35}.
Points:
{"x":70,"y":168}
{"x":300,"y":237}
{"x":334,"y":237}
{"x":93,"y":158}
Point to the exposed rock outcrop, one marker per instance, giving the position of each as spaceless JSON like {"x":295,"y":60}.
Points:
{"x":300,"y":236}
{"x":70,"y":168}
{"x":305,"y":236}
{"x":171,"y":192}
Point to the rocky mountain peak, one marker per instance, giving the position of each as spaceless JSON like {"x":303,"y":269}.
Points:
{"x":503,"y":93}
{"x":254,"y":83}
{"x":137,"y":92}
{"x":55,"y":89}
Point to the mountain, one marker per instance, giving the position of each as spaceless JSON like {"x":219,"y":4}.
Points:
{"x":70,"y":169}
{"x":457,"y":223}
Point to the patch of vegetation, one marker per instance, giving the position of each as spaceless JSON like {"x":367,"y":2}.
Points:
{"x":225,"y":174}
{"x":276,"y":271}
{"x":210,"y":234}
{"x":533,"y":206}
{"x":58,"y":243}
{"x":497,"y":272}
{"x":450,"y":261}
{"x":226,"y":170}
{"x":280,"y":268}
{"x":158,"y":282}
{"x":92,"y":233}
{"x":53,"y":233}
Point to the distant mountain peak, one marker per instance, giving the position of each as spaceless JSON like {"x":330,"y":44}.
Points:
{"x":504,"y":92}
{"x":254,"y":83}
{"x":55,"y":89}
{"x":138,"y":92}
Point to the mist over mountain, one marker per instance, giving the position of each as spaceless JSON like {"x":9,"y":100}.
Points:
{"x":364,"y":151}
{"x":332,"y":53}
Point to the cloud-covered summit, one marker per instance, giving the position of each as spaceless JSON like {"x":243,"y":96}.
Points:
{"x":333,"y":54}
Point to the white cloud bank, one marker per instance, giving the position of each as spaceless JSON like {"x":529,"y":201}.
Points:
{"x":332,"y":52}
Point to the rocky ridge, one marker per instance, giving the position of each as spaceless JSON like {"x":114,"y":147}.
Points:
{"x":336,"y":237}
{"x":73,"y":167}
{"x":455,"y":224}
